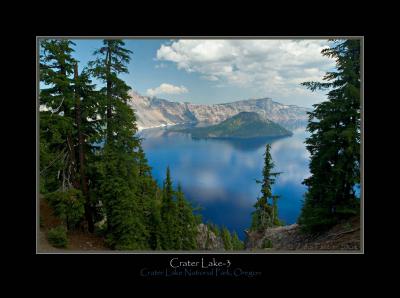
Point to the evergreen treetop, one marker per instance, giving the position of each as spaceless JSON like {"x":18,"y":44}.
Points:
{"x":266,"y":213}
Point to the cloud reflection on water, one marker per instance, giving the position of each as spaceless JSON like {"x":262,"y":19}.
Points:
{"x":220,"y":174}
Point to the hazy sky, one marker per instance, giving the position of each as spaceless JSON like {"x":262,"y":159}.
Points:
{"x":216,"y":71}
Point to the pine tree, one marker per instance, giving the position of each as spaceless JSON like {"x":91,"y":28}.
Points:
{"x":112,"y":60}
{"x":156,"y":226}
{"x":68,"y":101}
{"x":118,"y":166}
{"x":169,"y":215}
{"x":334,"y":144}
{"x":186,"y":222}
{"x":265,"y":214}
{"x":58,"y":160}
{"x":275,"y":219}
{"x":88,"y":108}
{"x":149,"y":201}
{"x":84,"y":93}
{"x":226,"y":238}
{"x":236,"y":243}
{"x":59,"y":125}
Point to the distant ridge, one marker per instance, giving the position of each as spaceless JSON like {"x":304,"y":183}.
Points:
{"x":156,"y":112}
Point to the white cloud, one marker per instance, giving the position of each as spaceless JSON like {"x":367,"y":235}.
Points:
{"x":165,"y":88}
{"x":272,"y":67}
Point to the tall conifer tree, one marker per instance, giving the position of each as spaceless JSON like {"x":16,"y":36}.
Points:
{"x":119,"y":185}
{"x":67,"y":101}
{"x":86,"y":132}
{"x":334,"y":144}
{"x":265,"y":213}
{"x":58,"y":160}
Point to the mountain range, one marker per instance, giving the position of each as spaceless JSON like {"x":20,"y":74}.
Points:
{"x":155,"y":112}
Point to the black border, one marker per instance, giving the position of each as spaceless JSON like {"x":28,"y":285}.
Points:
{"x":310,"y":267}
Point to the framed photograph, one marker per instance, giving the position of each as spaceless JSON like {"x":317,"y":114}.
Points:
{"x":197,"y":145}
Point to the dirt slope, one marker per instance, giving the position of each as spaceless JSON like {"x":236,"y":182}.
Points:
{"x":77,"y":240}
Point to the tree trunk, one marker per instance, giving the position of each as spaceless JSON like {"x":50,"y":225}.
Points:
{"x":82,"y":170}
{"x":72,"y":161}
{"x":70,"y":140}
{"x":109,"y":111}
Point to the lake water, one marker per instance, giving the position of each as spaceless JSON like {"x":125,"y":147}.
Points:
{"x":220,"y":175}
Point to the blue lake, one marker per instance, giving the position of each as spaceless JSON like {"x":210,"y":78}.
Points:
{"x":220,"y":175}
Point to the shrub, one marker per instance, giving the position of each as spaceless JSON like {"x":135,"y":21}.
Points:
{"x":100,"y":228}
{"x":58,"y":236}
{"x":267,"y":243}
{"x":278,"y":222}
{"x":67,"y":205}
{"x":348,"y":226}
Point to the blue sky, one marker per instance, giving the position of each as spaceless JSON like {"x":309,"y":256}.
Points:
{"x":216,"y":71}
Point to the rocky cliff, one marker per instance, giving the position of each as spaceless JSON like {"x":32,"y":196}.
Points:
{"x":344,"y":236}
{"x":207,"y":240}
{"x":155,"y":112}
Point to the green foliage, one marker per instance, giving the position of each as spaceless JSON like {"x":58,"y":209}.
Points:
{"x":275,"y":219}
{"x":121,"y":186}
{"x":169,"y":215}
{"x":179,"y":224}
{"x":334,"y":143}
{"x":186,"y":223}
{"x":266,"y":213}
{"x":126,"y":229}
{"x":58,"y":237}
{"x":57,"y":123}
{"x":267,"y":243}
{"x":92,"y":162}
{"x":149,"y":200}
{"x":236,"y":243}
{"x":231,"y":240}
{"x":155,"y":224}
{"x":67,"y":205}
{"x":226,"y":238}
{"x":242,"y":125}
{"x":68,"y":99}
{"x":347,"y":226}
{"x":214,"y":228}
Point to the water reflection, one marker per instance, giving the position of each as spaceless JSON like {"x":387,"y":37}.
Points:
{"x":248,"y":144}
{"x":220,"y":174}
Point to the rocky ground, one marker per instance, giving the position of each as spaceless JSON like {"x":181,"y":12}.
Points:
{"x":342,"y":237}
